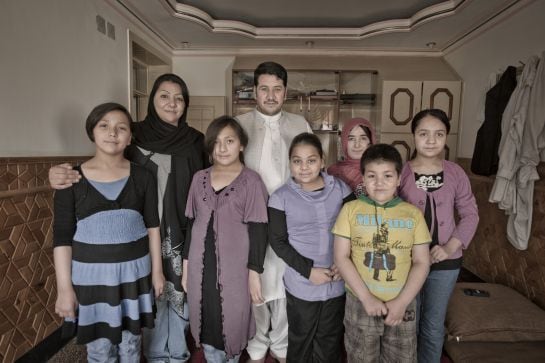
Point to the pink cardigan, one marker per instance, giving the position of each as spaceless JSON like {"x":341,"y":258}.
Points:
{"x":454,"y":196}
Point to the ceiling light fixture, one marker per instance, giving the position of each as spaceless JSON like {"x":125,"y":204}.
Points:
{"x":431,"y":45}
{"x":185,"y":45}
{"x":309,"y":44}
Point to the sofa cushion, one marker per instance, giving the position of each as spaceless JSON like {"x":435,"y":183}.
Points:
{"x":504,"y":316}
{"x":496,"y":352}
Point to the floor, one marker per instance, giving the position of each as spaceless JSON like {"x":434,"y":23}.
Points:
{"x":72,"y":353}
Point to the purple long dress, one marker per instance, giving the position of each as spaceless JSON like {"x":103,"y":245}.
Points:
{"x":243,"y":201}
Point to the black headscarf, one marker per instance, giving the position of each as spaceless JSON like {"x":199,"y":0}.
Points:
{"x":186,"y":147}
{"x":153,"y":134}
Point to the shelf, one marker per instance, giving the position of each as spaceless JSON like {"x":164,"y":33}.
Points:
{"x":244,"y":101}
{"x":323,"y":98}
{"x":320,"y":131}
{"x":313,"y":100}
{"x":363,"y":98}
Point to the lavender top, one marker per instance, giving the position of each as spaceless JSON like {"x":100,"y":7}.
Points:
{"x":309,"y":219}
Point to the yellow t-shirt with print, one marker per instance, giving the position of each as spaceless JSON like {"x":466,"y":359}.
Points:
{"x":381,"y":239}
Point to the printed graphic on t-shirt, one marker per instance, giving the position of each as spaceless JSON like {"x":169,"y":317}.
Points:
{"x":381,"y":251}
{"x":381,"y":258}
{"x":429,"y":182}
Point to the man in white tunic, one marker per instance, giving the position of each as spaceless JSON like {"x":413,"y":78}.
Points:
{"x":270,"y":131}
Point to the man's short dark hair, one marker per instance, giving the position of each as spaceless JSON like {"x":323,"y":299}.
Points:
{"x":381,"y":153}
{"x":273,"y":69}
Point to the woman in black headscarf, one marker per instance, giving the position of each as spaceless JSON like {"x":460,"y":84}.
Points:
{"x":173,"y":151}
{"x":165,"y":144}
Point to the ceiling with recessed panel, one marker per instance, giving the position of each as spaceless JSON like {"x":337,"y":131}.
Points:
{"x":392,"y":25}
{"x":309,"y":13}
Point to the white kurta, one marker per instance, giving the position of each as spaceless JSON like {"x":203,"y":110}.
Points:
{"x":289,"y":126}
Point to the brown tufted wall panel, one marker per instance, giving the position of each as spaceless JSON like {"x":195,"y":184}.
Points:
{"x":491,"y":257}
{"x":27,"y":275}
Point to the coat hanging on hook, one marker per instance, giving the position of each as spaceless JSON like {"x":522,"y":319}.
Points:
{"x":485,"y":155}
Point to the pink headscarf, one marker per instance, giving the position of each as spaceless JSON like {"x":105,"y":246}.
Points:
{"x":348,"y":170}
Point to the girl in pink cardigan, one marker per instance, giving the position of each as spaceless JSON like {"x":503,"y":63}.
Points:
{"x":440,"y":189}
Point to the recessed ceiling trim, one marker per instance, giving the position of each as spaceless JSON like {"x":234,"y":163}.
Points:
{"x":423,"y":16}
{"x":292,"y":51}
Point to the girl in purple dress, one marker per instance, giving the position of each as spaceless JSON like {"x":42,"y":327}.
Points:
{"x":227,"y":205}
{"x":302,"y":213}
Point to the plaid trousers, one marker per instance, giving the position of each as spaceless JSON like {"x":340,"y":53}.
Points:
{"x":367,"y":339}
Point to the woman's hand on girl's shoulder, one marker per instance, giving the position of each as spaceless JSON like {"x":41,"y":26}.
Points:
{"x":158,"y":281}
{"x":66,"y":304}
{"x":63,"y":176}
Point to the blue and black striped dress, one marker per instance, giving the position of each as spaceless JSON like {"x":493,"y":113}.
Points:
{"x":111,"y":265}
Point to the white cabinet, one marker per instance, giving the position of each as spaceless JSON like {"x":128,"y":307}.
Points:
{"x":401,"y":100}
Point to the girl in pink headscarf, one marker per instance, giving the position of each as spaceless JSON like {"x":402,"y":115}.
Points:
{"x":356,"y":136}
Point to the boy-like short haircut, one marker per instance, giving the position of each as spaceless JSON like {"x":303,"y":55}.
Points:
{"x":381,"y":153}
{"x":99,"y":112}
{"x":272,"y":68}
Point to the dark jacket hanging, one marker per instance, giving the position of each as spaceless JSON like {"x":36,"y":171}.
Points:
{"x":485,"y":155}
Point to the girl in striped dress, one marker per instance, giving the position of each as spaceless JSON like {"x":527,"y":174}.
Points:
{"x":107,"y":244}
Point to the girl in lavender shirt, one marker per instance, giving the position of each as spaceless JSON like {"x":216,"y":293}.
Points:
{"x":439,"y":188}
{"x":227,"y":207}
{"x":301,"y":215}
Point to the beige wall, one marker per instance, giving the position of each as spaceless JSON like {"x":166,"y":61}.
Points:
{"x":54,"y":69}
{"x":512,"y":40}
{"x":205,"y":75}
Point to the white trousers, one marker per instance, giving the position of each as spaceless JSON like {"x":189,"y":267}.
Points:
{"x":271,"y":323}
